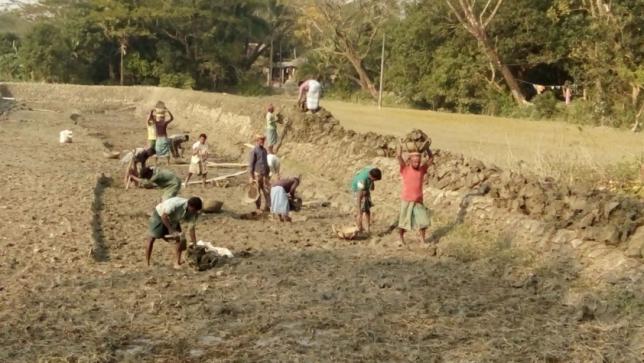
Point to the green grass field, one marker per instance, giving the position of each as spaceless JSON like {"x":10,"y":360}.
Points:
{"x":546,"y":147}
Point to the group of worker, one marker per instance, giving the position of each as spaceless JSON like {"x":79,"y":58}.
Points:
{"x":276,"y":195}
{"x":168,"y":215}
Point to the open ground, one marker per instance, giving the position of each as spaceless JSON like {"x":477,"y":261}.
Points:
{"x":75,"y":287}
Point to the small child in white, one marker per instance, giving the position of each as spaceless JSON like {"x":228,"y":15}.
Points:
{"x":198,"y":160}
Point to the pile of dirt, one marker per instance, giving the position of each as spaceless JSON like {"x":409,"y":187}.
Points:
{"x":598,"y":216}
{"x":200,"y":259}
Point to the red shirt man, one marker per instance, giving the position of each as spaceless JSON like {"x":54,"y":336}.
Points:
{"x":413,"y":214}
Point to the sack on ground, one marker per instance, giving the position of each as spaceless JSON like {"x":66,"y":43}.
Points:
{"x":65,"y":137}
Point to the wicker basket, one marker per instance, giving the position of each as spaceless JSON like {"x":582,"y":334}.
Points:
{"x":252,"y":193}
{"x":348,"y":233}
{"x":416,"y":146}
{"x":213,"y":206}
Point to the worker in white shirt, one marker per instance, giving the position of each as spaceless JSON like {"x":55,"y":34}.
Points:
{"x":198,"y":160}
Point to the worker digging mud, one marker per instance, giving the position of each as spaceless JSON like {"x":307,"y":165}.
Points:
{"x":176,"y":145}
{"x":135,"y":160}
{"x":164,"y":179}
{"x":413,"y":213}
{"x":199,"y":159}
{"x":162,"y":118}
{"x":282,"y":192}
{"x":165,"y":223}
{"x":310,"y":92}
{"x":362,"y":185}
{"x":272,"y":119}
{"x":260,"y":173}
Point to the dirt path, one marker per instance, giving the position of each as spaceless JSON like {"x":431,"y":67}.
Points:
{"x":301,"y":295}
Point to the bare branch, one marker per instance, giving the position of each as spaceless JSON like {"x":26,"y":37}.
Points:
{"x":484,"y":10}
{"x":496,"y":8}
{"x":374,"y":32}
{"x":455,"y":12}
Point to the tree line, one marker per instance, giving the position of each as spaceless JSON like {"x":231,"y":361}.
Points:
{"x":495,"y":57}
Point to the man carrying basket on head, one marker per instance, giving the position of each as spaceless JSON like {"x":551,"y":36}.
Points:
{"x":161,"y":122}
{"x":413,"y":213}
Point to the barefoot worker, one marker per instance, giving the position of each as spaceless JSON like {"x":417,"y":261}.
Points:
{"x":198,"y":160}
{"x":413,"y":213}
{"x":176,"y":145}
{"x":281,"y":192}
{"x":271,"y":128}
{"x":310,"y":93}
{"x":166,"y":222}
{"x":162,"y":118}
{"x":259,"y":172}
{"x":362,"y":185}
{"x":135,"y":161}
{"x":162,"y":178}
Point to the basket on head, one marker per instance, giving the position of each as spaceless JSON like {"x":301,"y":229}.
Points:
{"x":160,"y":109}
{"x":252,"y":193}
{"x":417,"y":146}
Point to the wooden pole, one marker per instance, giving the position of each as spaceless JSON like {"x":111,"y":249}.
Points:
{"x":382,"y":71}
{"x":227,"y":165}
{"x":270,"y":66}
{"x":219,"y":178}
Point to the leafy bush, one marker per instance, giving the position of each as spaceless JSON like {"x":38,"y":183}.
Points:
{"x":499,"y":104}
{"x":580,"y":112}
{"x":253,"y":86}
{"x":10,"y":67}
{"x":177,"y":80}
{"x":545,"y":106}
{"x":141,"y":70}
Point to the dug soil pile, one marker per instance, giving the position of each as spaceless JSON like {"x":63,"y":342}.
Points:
{"x":526,"y":269}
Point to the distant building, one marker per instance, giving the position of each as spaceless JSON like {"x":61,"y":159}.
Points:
{"x":283,"y":73}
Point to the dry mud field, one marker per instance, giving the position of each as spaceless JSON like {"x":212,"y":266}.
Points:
{"x":524,"y":270}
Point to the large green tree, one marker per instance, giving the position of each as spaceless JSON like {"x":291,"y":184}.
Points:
{"x":350,"y":30}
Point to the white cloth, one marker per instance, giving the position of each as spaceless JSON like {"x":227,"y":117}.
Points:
{"x":273,"y":164}
{"x":169,"y":206}
{"x":65,"y":136}
{"x":221,"y":251}
{"x":313,"y":94}
{"x":279,"y":201}
{"x":201,"y":149}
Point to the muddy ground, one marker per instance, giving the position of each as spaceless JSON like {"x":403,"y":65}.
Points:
{"x":299,"y":295}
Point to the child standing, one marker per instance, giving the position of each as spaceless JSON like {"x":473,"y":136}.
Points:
{"x":198,"y":160}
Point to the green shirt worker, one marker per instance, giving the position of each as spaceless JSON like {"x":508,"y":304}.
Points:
{"x":166,"y":220}
{"x":361,"y":186}
{"x":162,"y":178}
